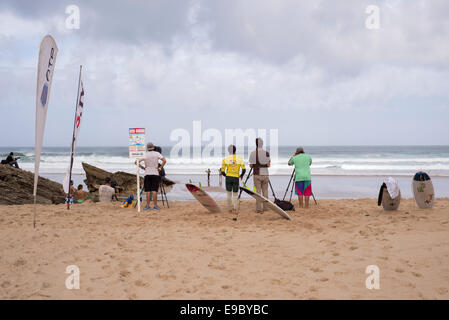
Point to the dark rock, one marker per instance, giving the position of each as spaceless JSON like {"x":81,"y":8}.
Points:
{"x":16,"y":187}
{"x":126,"y":182}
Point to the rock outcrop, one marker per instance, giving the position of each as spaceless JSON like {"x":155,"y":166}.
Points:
{"x":126,"y":182}
{"x":16,"y":187}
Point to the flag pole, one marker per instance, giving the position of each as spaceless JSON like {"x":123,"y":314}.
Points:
{"x":138,"y":187}
{"x":73,"y":139}
{"x":34,"y":220}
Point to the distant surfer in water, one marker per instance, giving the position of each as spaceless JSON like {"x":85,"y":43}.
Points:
{"x":220,"y":178}
{"x":259,"y":161}
{"x":152,"y":178}
{"x":303,"y":180}
{"x":208,"y":177}
{"x":230,"y":168}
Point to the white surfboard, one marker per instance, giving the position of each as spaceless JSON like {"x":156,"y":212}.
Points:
{"x":388,"y":203}
{"x":423,"y":190}
{"x":206,"y":200}
{"x":385,"y":199}
{"x":269,"y":203}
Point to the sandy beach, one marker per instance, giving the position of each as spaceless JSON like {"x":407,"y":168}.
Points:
{"x":187,"y":253}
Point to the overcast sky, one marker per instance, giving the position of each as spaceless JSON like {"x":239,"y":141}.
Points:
{"x":310,"y":69}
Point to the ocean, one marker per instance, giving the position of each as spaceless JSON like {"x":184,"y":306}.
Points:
{"x":337,"y":171}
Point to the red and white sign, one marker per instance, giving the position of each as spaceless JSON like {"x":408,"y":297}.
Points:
{"x":137,"y":131}
{"x":136,"y":142}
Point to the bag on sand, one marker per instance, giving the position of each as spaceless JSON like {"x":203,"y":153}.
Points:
{"x":284,"y":205}
{"x":128,"y":202}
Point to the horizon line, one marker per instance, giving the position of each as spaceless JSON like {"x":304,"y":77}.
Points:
{"x":285,"y":145}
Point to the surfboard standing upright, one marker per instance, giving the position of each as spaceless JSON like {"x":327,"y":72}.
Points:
{"x":423,"y":190}
{"x":79,"y":107}
{"x":45,"y":68}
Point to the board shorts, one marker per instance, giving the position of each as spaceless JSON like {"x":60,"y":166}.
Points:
{"x":151,"y":183}
{"x":232,"y":184}
{"x":303,"y":188}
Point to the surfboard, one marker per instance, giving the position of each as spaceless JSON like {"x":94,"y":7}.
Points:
{"x":269,"y":203}
{"x":423,"y":190}
{"x":387,"y":202}
{"x":206,"y":200}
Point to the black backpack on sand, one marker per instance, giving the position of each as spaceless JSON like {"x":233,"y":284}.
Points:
{"x":284,"y":205}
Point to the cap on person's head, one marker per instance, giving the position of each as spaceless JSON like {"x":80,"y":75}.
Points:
{"x":150,"y":146}
{"x":259,"y":142}
{"x":299,"y":150}
{"x":107,"y":180}
{"x":232,"y":149}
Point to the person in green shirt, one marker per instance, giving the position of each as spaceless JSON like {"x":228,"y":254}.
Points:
{"x":303,"y":181}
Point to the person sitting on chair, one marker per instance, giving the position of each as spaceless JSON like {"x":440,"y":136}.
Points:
{"x":105,"y":191}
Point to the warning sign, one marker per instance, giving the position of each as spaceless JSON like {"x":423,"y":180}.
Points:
{"x":136,"y":142}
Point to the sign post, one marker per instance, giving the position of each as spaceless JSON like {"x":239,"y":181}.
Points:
{"x":137,"y":151}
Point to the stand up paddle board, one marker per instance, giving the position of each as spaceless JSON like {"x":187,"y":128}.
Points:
{"x":423,"y":190}
{"x":270,"y":204}
{"x":205,"y":199}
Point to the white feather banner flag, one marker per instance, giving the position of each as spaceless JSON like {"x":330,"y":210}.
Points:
{"x":47,"y":58}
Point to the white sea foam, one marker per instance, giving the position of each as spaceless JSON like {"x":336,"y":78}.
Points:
{"x":326,"y":160}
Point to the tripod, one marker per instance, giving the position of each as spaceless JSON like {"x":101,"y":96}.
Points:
{"x":163,"y":193}
{"x":246,"y":180}
{"x":240,"y":193}
{"x":291,"y":192}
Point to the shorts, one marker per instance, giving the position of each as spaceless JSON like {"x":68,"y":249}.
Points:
{"x":303,"y":188}
{"x":232,"y":184}
{"x":151,"y":183}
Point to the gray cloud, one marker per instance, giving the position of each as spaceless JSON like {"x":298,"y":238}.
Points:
{"x":293,"y":62}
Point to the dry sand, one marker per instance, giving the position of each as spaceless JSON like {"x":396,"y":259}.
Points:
{"x":186,"y":253}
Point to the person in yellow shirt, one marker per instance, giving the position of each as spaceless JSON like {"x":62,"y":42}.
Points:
{"x":230,"y":168}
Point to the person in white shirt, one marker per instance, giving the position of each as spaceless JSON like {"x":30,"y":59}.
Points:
{"x":152,"y":178}
{"x":106,"y":192}
{"x":259,"y":161}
